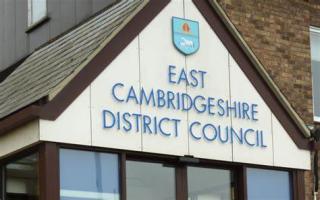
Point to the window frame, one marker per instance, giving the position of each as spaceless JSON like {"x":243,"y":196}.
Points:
{"x":101,"y":152}
{"x":15,"y":157}
{"x":313,"y":29}
{"x":31,"y":23}
{"x":2,"y":183}
{"x":49,"y":179}
{"x":164,"y":164}
{"x":238,"y":170}
{"x":290,"y":176}
{"x":5,"y":175}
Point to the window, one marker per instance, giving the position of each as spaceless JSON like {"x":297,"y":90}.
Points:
{"x":207,"y":183}
{"x":150,"y":181}
{"x":37,"y":10}
{"x":88,"y":175}
{"x":315,"y":65}
{"x":21,"y":179}
{"x":268,"y":184}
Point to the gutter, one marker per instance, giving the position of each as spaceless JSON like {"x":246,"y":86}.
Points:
{"x":27,"y":114}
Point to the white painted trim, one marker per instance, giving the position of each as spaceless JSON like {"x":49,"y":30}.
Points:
{"x":88,"y":195}
{"x":316,"y":118}
{"x":30,"y":13}
{"x":314,"y":29}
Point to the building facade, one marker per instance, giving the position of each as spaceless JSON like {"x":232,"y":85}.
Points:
{"x":147,"y":99}
{"x":279,"y":34}
{"x":19,"y":36}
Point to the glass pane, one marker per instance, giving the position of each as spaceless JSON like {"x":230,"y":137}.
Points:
{"x":88,"y":175}
{"x":150,"y":181}
{"x":316,"y":86}
{"x":39,"y":10}
{"x":268,"y":184}
{"x":22,"y":179}
{"x":209,"y":184}
{"x":315,"y":63}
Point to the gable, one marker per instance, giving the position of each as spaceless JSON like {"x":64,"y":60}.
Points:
{"x":141,"y":101}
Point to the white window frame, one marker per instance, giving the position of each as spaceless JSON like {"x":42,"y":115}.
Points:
{"x":313,"y":29}
{"x":30,"y":13}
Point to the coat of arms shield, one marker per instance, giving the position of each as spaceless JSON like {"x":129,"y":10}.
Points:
{"x":185,"y":34}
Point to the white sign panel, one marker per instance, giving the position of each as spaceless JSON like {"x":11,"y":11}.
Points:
{"x":176,"y":90}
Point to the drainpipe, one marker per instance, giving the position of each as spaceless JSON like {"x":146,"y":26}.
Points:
{"x":315,"y":174}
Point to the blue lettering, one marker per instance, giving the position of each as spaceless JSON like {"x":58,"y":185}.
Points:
{"x":202,"y":73}
{"x":161,"y":100}
{"x":155,"y":125}
{"x":238,"y":136}
{"x":239,"y":110}
{"x":221,"y":111}
{"x":183,"y":77}
{"x":132,"y":95}
{"x":178,"y":101}
{"x":210,"y":105}
{"x":194,"y":82}
{"x":186,"y":97}
{"x":231,"y":108}
{"x":160,"y":126}
{"x":147,"y":99}
{"x":214,"y":131}
{"x":137,"y":121}
{"x":170,"y":98}
{"x":146,"y":122}
{"x":245,"y":109}
{"x":104,"y":116}
{"x":191,"y":130}
{"x":246,"y":138}
{"x":254,"y":112}
{"x":203,"y":106}
{"x":227,"y":136}
{"x":176,"y":121}
{"x":118,"y":120}
{"x":127,"y":127}
{"x":171,"y":67}
{"x":261,"y":136}
{"x":114,"y":93}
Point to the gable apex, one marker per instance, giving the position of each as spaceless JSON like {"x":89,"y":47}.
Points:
{"x":77,"y":82}
{"x":255,"y":71}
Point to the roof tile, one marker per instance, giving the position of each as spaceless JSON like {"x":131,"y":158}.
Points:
{"x":48,"y":66}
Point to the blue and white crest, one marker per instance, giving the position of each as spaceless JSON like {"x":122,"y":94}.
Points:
{"x":185,"y":34}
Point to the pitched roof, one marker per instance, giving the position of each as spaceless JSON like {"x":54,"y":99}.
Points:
{"x":61,"y":70}
{"x":39,"y":75}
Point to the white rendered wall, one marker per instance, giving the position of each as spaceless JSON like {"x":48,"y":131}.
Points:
{"x":144,"y":63}
{"x":73,"y":126}
{"x":19,"y":138}
{"x":211,"y":57}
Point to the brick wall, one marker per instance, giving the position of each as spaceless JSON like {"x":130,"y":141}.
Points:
{"x":278,"y":33}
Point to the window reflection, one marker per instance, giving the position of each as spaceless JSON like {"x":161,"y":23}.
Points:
{"x":88,"y":175}
{"x":209,"y":184}
{"x":268,"y":184}
{"x":315,"y":65}
{"x":22,"y":179}
{"x":37,"y":9}
{"x":150,"y":181}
